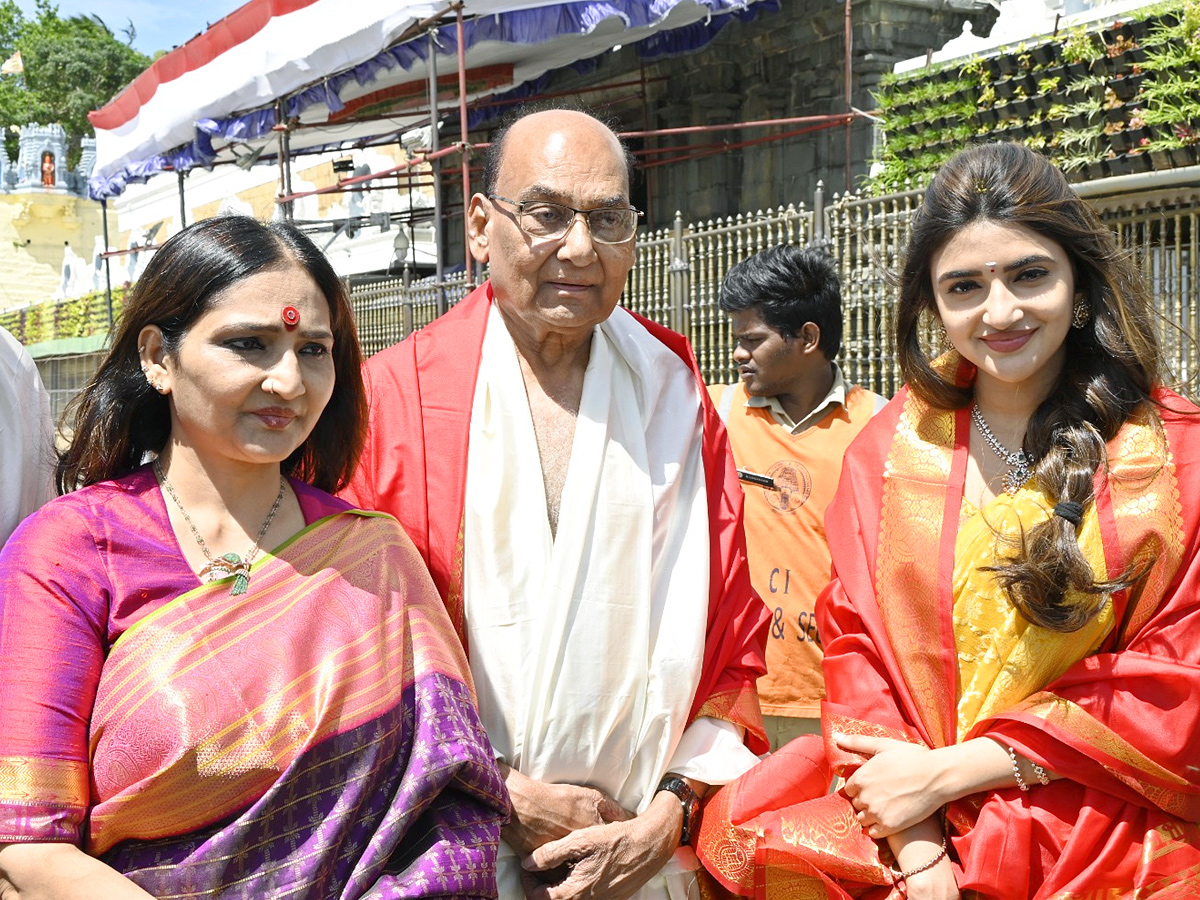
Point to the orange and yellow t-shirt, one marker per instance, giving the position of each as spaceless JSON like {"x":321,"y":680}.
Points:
{"x":785,"y":532}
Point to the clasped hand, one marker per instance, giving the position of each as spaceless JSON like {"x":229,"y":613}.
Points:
{"x":543,"y":812}
{"x":605,"y":861}
{"x":895,"y":788}
{"x":576,"y":842}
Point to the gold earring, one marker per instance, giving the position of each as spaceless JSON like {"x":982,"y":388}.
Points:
{"x":1080,"y":313}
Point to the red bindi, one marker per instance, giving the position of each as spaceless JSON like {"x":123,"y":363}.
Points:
{"x":290,"y":316}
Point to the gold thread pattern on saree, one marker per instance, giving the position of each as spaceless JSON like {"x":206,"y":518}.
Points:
{"x":46,"y":782}
{"x":912,"y":515}
{"x":1146,"y":506}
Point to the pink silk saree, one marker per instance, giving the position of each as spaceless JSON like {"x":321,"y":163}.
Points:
{"x":315,"y":737}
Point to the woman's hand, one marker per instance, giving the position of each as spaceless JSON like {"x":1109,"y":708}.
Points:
{"x":61,"y":872}
{"x":902,"y":783}
{"x":914,"y":848}
{"x":936,"y":883}
{"x":896,"y":788}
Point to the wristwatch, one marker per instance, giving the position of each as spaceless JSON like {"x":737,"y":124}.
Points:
{"x":691,"y":804}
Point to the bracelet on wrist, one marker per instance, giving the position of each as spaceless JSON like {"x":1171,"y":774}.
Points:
{"x":899,"y":876}
{"x":1038,"y":771}
{"x":1012,"y":754}
{"x":1042,"y":777}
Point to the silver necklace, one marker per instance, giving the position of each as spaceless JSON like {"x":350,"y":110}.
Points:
{"x":1020,"y":463}
{"x":229,"y":563}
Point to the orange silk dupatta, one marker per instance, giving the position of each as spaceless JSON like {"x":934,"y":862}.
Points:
{"x":1123,"y":821}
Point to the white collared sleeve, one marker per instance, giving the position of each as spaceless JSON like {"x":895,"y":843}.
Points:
{"x":711,"y":751}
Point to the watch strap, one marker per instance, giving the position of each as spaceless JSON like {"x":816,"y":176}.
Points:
{"x":690,"y":801}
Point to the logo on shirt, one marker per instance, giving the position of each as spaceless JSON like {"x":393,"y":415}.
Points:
{"x":793,"y":486}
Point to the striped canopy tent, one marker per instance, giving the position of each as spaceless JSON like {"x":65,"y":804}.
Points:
{"x":282,"y":77}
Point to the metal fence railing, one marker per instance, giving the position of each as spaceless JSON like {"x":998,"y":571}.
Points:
{"x":1162,"y":230}
{"x":387,"y":311}
{"x":66,"y":376}
{"x":866,"y":237}
{"x":678,"y":273}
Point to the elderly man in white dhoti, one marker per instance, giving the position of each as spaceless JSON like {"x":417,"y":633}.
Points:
{"x":561,"y":469}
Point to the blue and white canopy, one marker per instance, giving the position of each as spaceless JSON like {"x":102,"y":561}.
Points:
{"x":347,"y":71}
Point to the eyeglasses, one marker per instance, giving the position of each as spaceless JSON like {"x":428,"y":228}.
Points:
{"x":544,"y":221}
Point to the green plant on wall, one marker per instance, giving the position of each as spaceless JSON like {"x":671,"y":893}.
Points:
{"x":1081,"y":46}
{"x":893,"y":175}
{"x":1172,"y":97}
{"x":1087,"y":83}
{"x":1123,"y":44}
{"x":77,"y":317}
{"x":1079,"y":140}
{"x":1171,"y":55}
{"x":973,"y":71}
{"x":945,"y":107}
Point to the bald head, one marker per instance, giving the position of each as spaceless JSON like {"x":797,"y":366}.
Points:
{"x":559,"y":288}
{"x":537,"y":130}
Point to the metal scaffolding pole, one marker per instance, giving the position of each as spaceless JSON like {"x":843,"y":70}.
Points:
{"x":848,"y":76}
{"x":287,"y":206}
{"x":107,"y":269}
{"x":464,"y":148}
{"x":439,"y":266}
{"x":182,"y":203}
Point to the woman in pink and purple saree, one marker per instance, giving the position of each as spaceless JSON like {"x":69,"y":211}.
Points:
{"x":1012,"y":654}
{"x":296,"y":720}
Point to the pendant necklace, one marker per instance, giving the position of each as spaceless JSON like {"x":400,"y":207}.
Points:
{"x":1020,"y":463}
{"x":229,"y":563}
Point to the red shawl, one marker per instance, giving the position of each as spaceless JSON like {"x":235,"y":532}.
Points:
{"x":415,"y":467}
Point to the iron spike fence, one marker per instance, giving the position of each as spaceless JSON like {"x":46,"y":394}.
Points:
{"x":676,"y":278}
{"x":1160,"y":230}
{"x":385,"y":312}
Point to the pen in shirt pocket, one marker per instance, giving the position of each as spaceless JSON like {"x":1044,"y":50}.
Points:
{"x":754,"y":478}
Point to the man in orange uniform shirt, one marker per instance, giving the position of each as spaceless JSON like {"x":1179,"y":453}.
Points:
{"x":790,"y":420}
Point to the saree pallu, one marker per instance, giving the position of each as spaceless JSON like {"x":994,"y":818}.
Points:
{"x":315,"y":737}
{"x":1115,"y":715}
